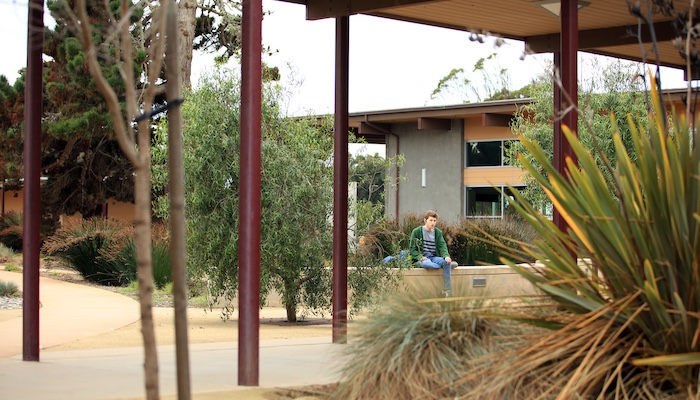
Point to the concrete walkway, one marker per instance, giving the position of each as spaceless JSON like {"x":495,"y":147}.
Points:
{"x":70,"y":312}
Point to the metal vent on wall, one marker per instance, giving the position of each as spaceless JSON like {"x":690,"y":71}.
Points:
{"x":478,"y":282}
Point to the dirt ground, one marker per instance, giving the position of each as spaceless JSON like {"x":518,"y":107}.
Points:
{"x":207,"y":326}
{"x":204,"y":326}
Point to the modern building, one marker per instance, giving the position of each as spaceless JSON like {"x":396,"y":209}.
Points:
{"x":453,"y":151}
{"x":453,"y":155}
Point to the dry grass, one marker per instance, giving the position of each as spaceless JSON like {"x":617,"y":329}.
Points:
{"x":419,"y":346}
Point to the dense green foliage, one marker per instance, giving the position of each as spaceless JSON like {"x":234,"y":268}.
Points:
{"x":296,"y":197}
{"x":82,"y":162}
{"x":11,"y":118}
{"x":615,"y":89}
{"x":471,"y":242}
{"x":122,"y":254}
{"x":488,"y":80}
{"x":370,"y":174}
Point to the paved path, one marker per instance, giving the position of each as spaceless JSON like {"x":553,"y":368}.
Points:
{"x":70,"y":312}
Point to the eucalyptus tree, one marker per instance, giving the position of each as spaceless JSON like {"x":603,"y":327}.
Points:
{"x":615,"y":89}
{"x":296,"y":198}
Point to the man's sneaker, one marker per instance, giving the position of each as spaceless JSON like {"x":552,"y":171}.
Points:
{"x":446,"y":293}
{"x":453,"y":264}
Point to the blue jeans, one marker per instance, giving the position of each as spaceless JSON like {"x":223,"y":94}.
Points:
{"x":437,"y":263}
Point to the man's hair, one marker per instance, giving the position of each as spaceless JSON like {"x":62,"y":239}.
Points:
{"x":430,"y":213}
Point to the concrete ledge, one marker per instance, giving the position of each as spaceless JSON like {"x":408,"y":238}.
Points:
{"x":494,"y":280}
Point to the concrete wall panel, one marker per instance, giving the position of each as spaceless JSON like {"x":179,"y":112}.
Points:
{"x":440,"y":153}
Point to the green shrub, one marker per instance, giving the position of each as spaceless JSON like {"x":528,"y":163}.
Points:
{"x":121,"y":256}
{"x":11,"y":230}
{"x":470,"y":242}
{"x":13,"y":267}
{"x":162,"y":271}
{"x":8,"y":289}
{"x":370,"y":279}
{"x":6,"y":253}
{"x":83,"y":245}
{"x":382,"y":240}
{"x":486,"y":240}
{"x":390,"y":237}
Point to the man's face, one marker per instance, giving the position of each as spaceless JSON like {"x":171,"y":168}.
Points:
{"x":430,"y":223}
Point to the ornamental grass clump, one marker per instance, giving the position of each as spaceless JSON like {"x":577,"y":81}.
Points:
{"x":8,"y":289}
{"x":6,"y":253}
{"x":81,"y":244}
{"x":11,"y":230}
{"x":483,"y":241}
{"x":418,"y":346}
{"x":627,"y":326}
{"x":120,"y":256}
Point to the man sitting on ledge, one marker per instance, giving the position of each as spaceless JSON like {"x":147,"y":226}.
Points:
{"x":429,"y":250}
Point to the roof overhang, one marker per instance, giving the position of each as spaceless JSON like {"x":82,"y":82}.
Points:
{"x":606,"y":27}
{"x":374,"y":126}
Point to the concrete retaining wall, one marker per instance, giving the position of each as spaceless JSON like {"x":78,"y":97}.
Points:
{"x":497,"y":280}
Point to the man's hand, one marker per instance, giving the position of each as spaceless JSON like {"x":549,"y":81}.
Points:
{"x":448,"y":259}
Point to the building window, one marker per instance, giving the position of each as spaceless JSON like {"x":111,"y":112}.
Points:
{"x":487,"y":202}
{"x":486,"y":154}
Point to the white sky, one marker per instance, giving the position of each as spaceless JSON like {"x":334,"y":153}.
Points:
{"x":392,"y":64}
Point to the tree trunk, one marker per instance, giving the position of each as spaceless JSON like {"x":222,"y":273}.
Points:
{"x":290,"y":304}
{"x":141,"y":160}
{"x":187,"y":13}
{"x":291,"y":312}
{"x":142,"y":196}
{"x":178,"y":253}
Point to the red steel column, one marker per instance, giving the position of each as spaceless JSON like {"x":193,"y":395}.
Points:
{"x":340,"y":181}
{"x":32,"y":181}
{"x":557,"y":157}
{"x":569,"y":76}
{"x":249,"y":209}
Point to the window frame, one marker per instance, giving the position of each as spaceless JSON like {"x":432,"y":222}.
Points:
{"x":496,"y":188}
{"x":467,"y":144}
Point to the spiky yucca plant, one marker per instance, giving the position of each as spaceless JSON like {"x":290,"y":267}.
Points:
{"x":628,"y":325}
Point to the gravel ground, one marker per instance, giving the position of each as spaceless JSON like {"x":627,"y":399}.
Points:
{"x":10,"y":303}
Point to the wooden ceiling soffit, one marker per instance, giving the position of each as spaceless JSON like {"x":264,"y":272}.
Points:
{"x":374,"y":139}
{"x":488,"y":119}
{"x":371,"y":128}
{"x":371,"y":138}
{"x":597,"y":38}
{"x":319,"y":9}
{"x":434,"y":124}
